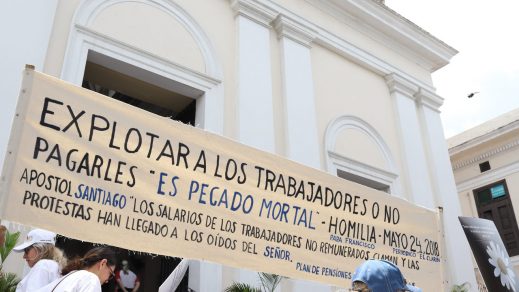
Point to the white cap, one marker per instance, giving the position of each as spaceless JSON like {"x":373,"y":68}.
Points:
{"x":36,"y":236}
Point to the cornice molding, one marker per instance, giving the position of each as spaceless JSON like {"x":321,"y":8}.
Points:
{"x":485,"y":155}
{"x":362,"y":168}
{"x":202,"y":80}
{"x":265,"y":11}
{"x":255,"y":11}
{"x":294,"y":30}
{"x":384,"y":24}
{"x":399,"y":84}
{"x":487,"y":177}
{"x":88,"y":10}
{"x":484,"y":138}
{"x":297,"y":28}
{"x":429,"y":99}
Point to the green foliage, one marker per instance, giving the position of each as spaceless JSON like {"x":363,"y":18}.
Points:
{"x":269,"y":282}
{"x":10,"y":242}
{"x":239,"y":287}
{"x":8,"y":281}
{"x":465,"y":287}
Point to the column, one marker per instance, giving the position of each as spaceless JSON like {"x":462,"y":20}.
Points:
{"x":415,"y":165}
{"x":204,"y":276}
{"x":255,"y":113}
{"x":458,"y":256}
{"x":255,"y":120}
{"x":302,"y":143}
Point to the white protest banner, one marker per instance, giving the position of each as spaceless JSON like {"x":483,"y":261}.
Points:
{"x":93,"y":168}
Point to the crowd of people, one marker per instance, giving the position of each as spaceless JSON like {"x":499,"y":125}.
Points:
{"x":50,"y":271}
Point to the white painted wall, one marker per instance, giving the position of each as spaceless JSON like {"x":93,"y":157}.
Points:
{"x":456,"y":246}
{"x":25,"y":28}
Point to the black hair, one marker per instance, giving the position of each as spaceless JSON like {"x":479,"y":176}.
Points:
{"x":93,"y":256}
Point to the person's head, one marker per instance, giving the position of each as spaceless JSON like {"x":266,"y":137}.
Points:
{"x":359,"y":286}
{"x":379,"y":276}
{"x":38,"y":245}
{"x":124,"y":263}
{"x":99,"y":260}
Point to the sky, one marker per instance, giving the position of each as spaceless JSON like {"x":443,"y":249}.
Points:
{"x":486,"y":34}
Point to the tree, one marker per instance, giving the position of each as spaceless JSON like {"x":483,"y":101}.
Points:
{"x":8,"y":281}
{"x":269,"y":282}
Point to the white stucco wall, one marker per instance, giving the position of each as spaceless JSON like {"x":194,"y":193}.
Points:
{"x":342,"y":87}
{"x":25,"y":27}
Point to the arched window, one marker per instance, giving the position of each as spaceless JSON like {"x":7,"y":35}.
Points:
{"x":355,"y":151}
{"x":91,"y":43}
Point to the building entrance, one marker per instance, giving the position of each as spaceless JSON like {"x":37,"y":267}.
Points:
{"x":151,"y":270}
{"x":148,"y":91}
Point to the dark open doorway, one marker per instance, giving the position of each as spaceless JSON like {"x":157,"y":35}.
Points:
{"x":151,"y":92}
{"x":152,"y":270}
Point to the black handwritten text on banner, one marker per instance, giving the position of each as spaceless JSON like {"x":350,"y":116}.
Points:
{"x":93,"y":168}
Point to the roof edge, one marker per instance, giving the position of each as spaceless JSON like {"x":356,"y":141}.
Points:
{"x":434,"y":53}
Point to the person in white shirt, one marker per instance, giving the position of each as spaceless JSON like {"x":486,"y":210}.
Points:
{"x":85,"y":274}
{"x":127,"y":280}
{"x":44,"y":259}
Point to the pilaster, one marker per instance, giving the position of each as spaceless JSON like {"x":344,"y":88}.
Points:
{"x":427,"y":166}
{"x":445,"y":194}
{"x":255,"y":117}
{"x":302,"y":142}
{"x":411,"y":137}
{"x":429,"y":99}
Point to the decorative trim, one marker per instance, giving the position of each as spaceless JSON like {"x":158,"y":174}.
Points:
{"x":360,"y":169}
{"x":429,"y":99}
{"x":210,"y":100}
{"x":487,"y":177}
{"x":268,"y":10}
{"x":197,"y":79}
{"x":484,"y":138}
{"x":423,"y":96}
{"x":335,"y":160}
{"x":301,"y":30}
{"x":390,"y":28}
{"x":89,"y":9}
{"x":486,"y":155}
{"x":255,"y":11}
{"x":287,"y":27}
{"x":400,"y":85}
